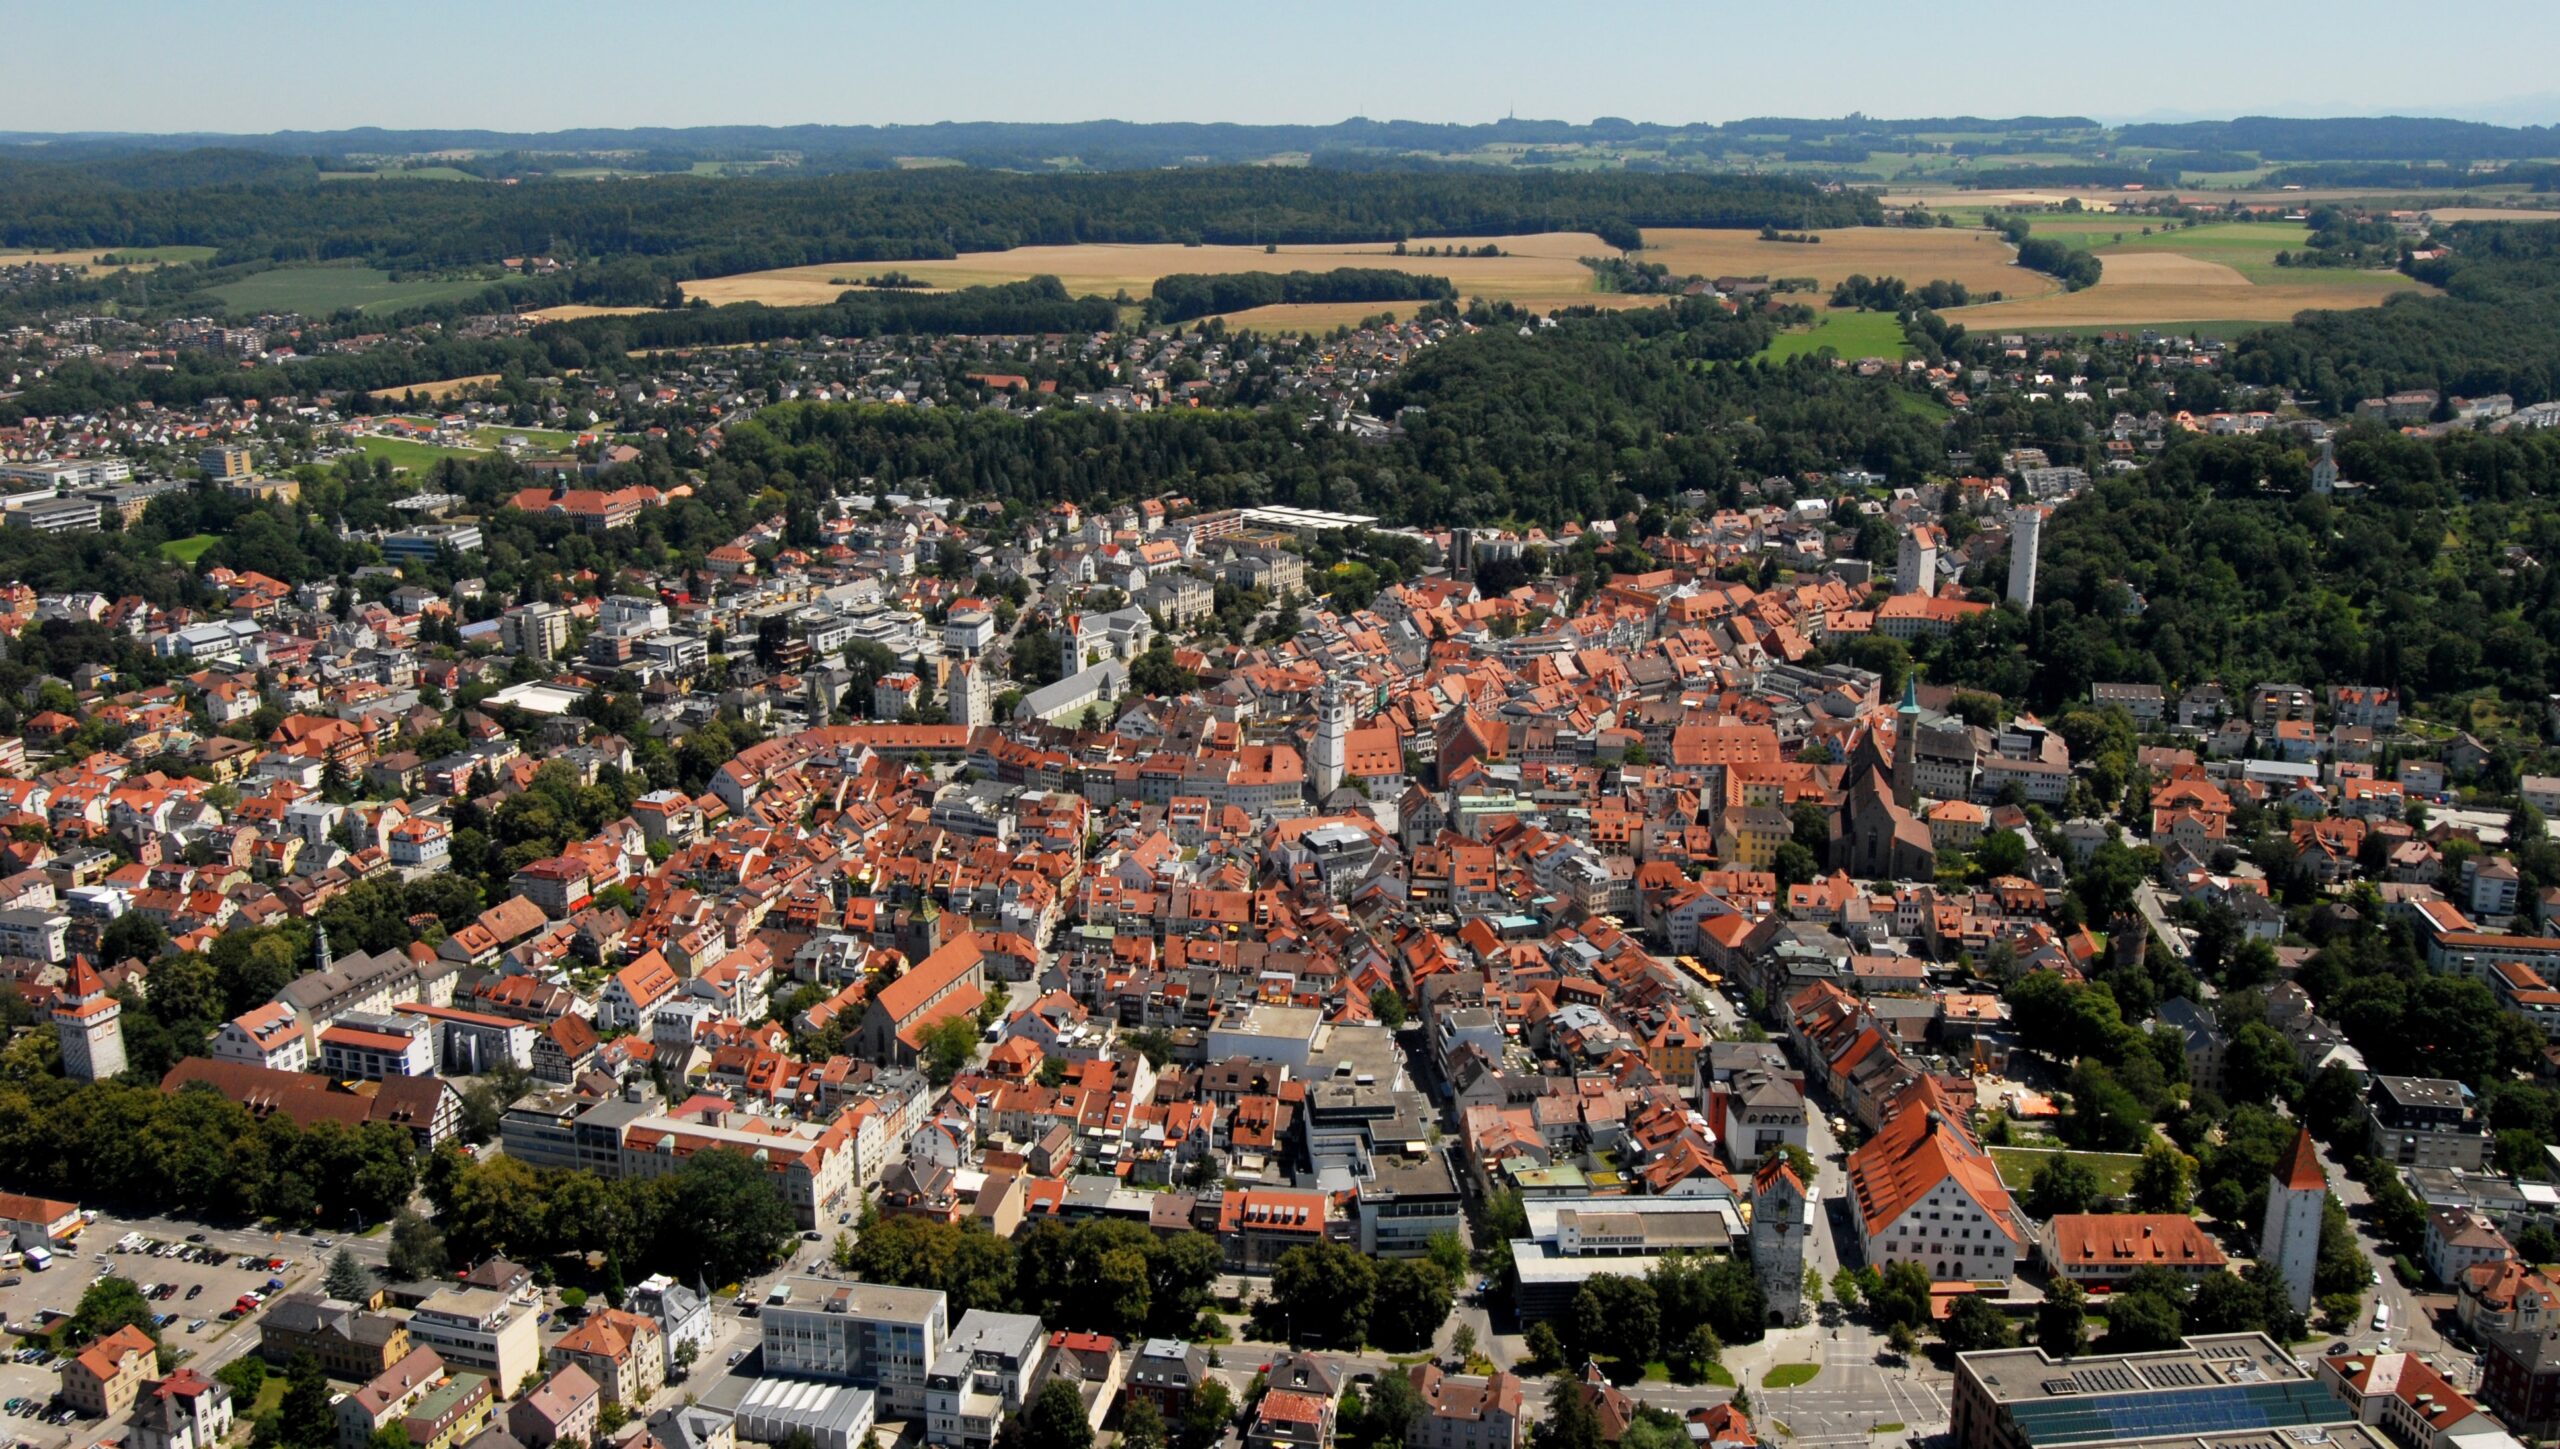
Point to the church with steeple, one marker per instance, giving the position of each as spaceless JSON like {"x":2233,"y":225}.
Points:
{"x":1877,"y":833}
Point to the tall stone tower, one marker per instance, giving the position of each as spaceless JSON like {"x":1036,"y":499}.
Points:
{"x":2290,"y":1239}
{"x":1781,"y":1220}
{"x":91,"y":1025}
{"x":2026,"y":533}
{"x":1906,"y":746}
{"x":1915,"y":569}
{"x":1329,"y":762}
{"x":969,"y":704}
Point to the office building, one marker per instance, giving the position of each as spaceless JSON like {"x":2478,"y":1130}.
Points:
{"x":875,"y":1337}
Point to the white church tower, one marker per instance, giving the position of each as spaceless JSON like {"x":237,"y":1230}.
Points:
{"x":91,"y":1026}
{"x":1329,"y":764}
{"x":1781,"y":1220}
{"x":2290,"y":1239}
{"x":2026,"y":535}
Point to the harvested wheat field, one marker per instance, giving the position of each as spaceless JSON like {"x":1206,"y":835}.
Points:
{"x":571,"y":312}
{"x":2490,"y":213}
{"x":1978,"y":259}
{"x":435,"y":391}
{"x":1537,"y":270}
{"x":90,"y":260}
{"x":2148,"y":288}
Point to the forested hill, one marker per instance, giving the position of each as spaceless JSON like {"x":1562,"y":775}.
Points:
{"x":2496,"y":329}
{"x":1029,"y":146}
{"x":2218,"y":562}
{"x":685,"y":227}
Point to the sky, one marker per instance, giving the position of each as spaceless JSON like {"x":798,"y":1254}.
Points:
{"x":248,"y":66}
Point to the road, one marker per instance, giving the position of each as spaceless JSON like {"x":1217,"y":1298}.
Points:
{"x":2411,"y":1327}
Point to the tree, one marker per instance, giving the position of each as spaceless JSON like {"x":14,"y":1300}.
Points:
{"x":1973,"y":1324}
{"x":132,"y":936}
{"x":1617,"y":1317}
{"x":947,"y":1046}
{"x":306,"y":1419}
{"x":1055,"y":1418}
{"x":1844,"y":1287}
{"x":1545,"y":1349}
{"x":107,"y":1305}
{"x":1388,"y":1007}
{"x":1900,"y":1295}
{"x":417,"y":1247}
{"x":733,"y":1220}
{"x":1142,"y":1425}
{"x":1323,"y":1293}
{"x":2260,"y":1066}
{"x":1462,"y":1342}
{"x":1412,"y":1300}
{"x":1571,"y":1421}
{"x":1211,"y":1410}
{"x":347,"y":1278}
{"x":2160,"y":1180}
{"x":1393,"y":1406}
{"x":2062,"y":1185}
{"x":2062,"y":1320}
{"x":2142,"y":1322}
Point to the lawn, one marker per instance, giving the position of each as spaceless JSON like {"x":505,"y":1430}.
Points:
{"x":187,"y":550}
{"x":2114,"y":1170}
{"x":1848,"y":334}
{"x":1790,"y":1375}
{"x":406,"y":454}
{"x":318,"y":291}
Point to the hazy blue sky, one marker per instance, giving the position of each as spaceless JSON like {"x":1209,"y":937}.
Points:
{"x":261,"y":65}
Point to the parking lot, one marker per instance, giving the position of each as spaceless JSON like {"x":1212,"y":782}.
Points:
{"x":191,"y":1283}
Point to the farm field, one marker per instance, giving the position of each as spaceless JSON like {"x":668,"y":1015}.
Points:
{"x":1538,"y":270}
{"x":1849,"y":334}
{"x":2491,"y":213}
{"x":1980,"y":260}
{"x":572,"y":311}
{"x":319,"y":291}
{"x":92,"y":259}
{"x":2222,"y":272}
{"x":433,"y":391}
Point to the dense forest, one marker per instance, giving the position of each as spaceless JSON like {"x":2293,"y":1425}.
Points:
{"x":1590,"y":419}
{"x":683,"y":227}
{"x":2353,"y":138}
{"x":2219,"y":562}
{"x":1181,"y":297}
{"x":2495,"y":329}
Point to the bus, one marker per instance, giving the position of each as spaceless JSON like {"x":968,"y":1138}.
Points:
{"x":39,"y":1259}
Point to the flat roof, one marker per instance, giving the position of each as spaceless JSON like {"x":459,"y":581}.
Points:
{"x":538,"y":698}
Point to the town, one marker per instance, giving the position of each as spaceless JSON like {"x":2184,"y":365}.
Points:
{"x":659,"y":796}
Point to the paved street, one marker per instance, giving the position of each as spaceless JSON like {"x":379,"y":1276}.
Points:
{"x":2411,"y":1328}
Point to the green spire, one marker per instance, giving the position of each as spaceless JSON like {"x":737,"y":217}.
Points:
{"x":1911,"y":693}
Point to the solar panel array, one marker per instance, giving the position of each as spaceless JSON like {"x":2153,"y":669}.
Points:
{"x":2174,"y":1374}
{"x":2216,"y":1409}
